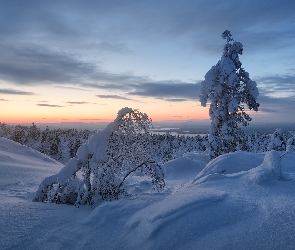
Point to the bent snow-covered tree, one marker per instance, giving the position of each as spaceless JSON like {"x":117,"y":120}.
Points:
{"x":228,"y":88}
{"x":101,"y":166}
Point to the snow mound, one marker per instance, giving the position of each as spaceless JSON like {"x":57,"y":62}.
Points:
{"x":22,"y":169}
{"x":231,"y":163}
{"x":14,"y":153}
{"x":158,"y":218}
{"x":186,"y":167}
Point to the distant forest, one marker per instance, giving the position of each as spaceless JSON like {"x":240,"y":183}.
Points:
{"x":61,"y":144}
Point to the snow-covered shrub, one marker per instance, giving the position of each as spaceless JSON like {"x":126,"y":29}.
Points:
{"x":101,"y":166}
{"x":271,"y":168}
{"x":291,"y":144}
{"x":228,"y":88}
{"x":278,"y":141}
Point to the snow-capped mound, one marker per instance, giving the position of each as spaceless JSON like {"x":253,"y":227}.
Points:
{"x":232,"y":163}
{"x":12,"y":152}
{"x":184,"y":169}
{"x":23,"y":168}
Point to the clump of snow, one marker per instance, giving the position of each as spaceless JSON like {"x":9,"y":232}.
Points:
{"x":67,"y":171}
{"x":82,"y":153}
{"x":123,"y":112}
{"x":97,"y":144}
{"x":270,"y":168}
{"x":48,"y":181}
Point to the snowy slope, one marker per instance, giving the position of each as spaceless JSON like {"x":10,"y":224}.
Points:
{"x":199,"y":209}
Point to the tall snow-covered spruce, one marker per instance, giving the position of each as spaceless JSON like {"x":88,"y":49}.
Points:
{"x":101,"y":166}
{"x":228,"y":88}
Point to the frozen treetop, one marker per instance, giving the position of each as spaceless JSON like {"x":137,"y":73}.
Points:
{"x":122,"y":112}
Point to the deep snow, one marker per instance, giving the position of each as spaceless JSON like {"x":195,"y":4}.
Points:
{"x":237,"y":201}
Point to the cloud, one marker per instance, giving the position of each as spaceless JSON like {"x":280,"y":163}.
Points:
{"x":15,"y":92}
{"x":169,"y":90}
{"x":277,"y":85}
{"x":267,"y":110}
{"x":69,"y":87}
{"x":36,"y":65}
{"x":3,"y":100}
{"x":113,"y":97}
{"x":94,"y":119}
{"x":174,"y":99}
{"x":93,"y":26}
{"x":80,"y":103}
{"x":33,"y":65}
{"x":49,"y":105}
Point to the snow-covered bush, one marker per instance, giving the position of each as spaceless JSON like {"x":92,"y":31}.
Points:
{"x":278,"y":141}
{"x":291,"y":144}
{"x":271,"y":168}
{"x":228,"y":88}
{"x":101,"y":166}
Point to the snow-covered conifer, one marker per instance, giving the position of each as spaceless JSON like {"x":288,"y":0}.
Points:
{"x":277,"y":141}
{"x":228,"y":88}
{"x":291,"y":144}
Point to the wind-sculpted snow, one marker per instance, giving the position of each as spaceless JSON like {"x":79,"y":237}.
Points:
{"x":158,"y":217}
{"x":229,"y":210}
{"x":12,"y":151}
{"x":232,"y":163}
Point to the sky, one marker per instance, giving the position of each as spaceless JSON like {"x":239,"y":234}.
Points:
{"x":82,"y":61}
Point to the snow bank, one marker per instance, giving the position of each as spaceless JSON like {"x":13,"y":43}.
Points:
{"x":158,"y":217}
{"x":231,"y":163}
{"x":184,"y":169}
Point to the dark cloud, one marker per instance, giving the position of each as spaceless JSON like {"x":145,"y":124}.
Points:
{"x":28,"y":65}
{"x":34,"y":65}
{"x":15,"y":92}
{"x":97,"y":25}
{"x":277,"y":85}
{"x":171,"y":91}
{"x":49,"y":105}
{"x":113,"y":97}
{"x":4,"y":100}
{"x":176,"y":100}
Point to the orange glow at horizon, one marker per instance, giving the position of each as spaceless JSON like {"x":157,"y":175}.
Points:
{"x":31,"y":119}
{"x":95,"y":110}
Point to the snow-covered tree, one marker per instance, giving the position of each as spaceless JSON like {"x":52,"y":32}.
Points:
{"x":277,"y":141}
{"x":228,"y":88}
{"x":291,"y":144}
{"x":105,"y":162}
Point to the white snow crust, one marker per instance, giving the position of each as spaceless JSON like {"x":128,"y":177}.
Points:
{"x":237,"y":201}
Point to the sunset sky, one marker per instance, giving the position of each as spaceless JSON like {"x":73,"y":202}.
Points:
{"x":82,"y":61}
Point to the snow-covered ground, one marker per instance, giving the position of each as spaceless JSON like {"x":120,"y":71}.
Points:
{"x":237,"y":201}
